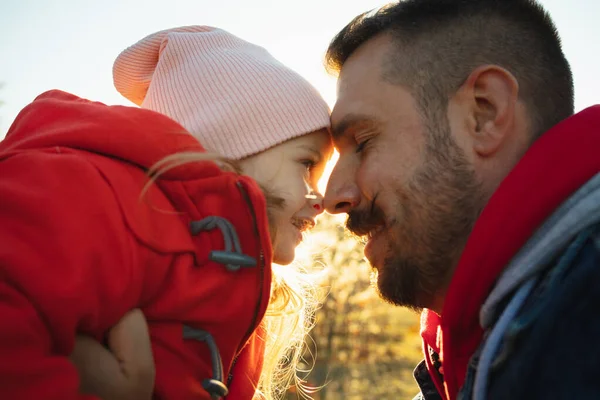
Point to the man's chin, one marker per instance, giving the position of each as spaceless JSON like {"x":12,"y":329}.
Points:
{"x":395,"y":289}
{"x":382,"y":287}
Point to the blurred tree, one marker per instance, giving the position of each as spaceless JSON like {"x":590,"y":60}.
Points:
{"x":362,"y":348}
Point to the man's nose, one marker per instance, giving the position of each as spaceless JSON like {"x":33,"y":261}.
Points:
{"x":342,"y":194}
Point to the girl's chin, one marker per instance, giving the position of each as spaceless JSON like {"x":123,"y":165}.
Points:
{"x":283,"y":259}
{"x":285,"y":250}
{"x":285,"y":253}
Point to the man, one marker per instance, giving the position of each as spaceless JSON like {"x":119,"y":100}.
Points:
{"x":478,"y":190}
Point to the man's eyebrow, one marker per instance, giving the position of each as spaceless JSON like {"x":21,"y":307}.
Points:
{"x":338,"y":130}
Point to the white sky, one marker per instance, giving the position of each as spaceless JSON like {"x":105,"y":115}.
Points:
{"x":71,"y":44}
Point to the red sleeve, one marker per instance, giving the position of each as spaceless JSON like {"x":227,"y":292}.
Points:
{"x":65,"y":266}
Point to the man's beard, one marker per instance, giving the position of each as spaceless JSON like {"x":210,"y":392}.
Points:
{"x":436,"y":212}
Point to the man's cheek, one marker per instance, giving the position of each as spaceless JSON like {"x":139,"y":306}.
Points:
{"x":368,"y":176}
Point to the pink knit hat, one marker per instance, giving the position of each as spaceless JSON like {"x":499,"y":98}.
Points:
{"x":233,"y":96}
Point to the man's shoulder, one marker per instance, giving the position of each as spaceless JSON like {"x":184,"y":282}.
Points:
{"x":549,"y":349}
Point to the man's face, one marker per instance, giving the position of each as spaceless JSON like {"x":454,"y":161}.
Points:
{"x":402,"y":179}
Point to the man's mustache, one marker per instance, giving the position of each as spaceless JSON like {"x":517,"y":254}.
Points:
{"x":361,"y":222}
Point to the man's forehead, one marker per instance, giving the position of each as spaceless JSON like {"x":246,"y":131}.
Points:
{"x":357,"y":106}
{"x":365,"y":62}
{"x":355,"y":98}
{"x":357,"y":75}
{"x":360,"y":80}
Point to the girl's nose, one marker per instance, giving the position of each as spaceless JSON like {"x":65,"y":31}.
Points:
{"x":315,"y":200}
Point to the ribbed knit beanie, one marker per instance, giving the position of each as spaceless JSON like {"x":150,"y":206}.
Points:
{"x":232,"y":95}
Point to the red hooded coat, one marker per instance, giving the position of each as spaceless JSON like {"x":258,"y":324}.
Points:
{"x":80,"y":246}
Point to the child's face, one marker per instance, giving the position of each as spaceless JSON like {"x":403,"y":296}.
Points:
{"x":291,"y":171}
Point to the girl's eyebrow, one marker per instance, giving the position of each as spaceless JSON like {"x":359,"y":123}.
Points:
{"x":312,"y":150}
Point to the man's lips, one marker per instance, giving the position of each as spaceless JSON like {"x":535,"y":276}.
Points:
{"x":373,"y":232}
{"x":366,"y":223}
{"x":371,"y":238}
{"x":366,"y":231}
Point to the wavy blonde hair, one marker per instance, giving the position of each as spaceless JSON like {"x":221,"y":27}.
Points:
{"x":293,"y":302}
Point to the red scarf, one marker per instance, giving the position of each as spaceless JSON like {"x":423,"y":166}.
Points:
{"x":556,"y":166}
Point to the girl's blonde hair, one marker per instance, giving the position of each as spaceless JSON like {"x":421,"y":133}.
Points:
{"x":293,"y":302}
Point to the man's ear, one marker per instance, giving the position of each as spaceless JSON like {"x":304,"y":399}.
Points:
{"x":491,"y":93}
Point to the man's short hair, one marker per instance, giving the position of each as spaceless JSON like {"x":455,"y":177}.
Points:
{"x":438,"y":43}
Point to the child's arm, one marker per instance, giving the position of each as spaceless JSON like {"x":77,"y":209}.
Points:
{"x":66,"y":266}
{"x":125,"y":371}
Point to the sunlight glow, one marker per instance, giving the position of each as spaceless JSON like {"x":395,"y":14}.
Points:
{"x":322,"y":185}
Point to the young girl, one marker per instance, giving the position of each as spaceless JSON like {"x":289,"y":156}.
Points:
{"x":85,"y":236}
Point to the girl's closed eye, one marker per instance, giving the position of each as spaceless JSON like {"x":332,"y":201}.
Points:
{"x":311,"y":170}
{"x":308,"y":164}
